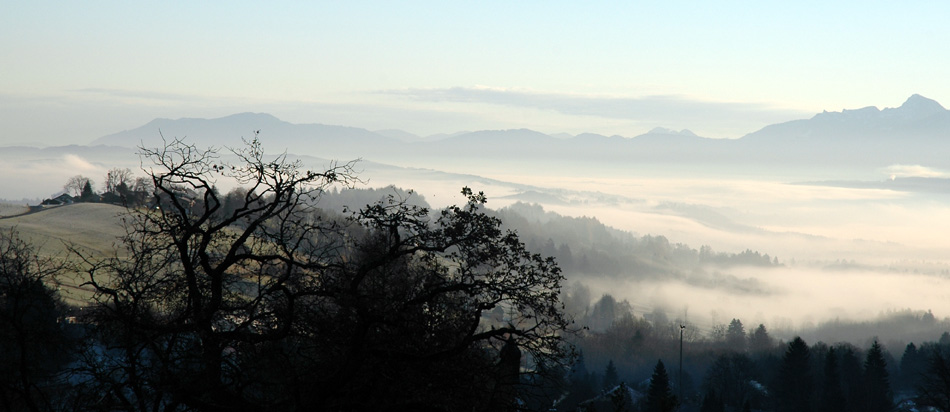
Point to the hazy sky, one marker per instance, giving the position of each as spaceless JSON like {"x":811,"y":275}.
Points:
{"x":73,"y":71}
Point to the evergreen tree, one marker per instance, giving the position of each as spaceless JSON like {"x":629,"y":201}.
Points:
{"x":944,"y":339}
{"x":660,"y":397}
{"x":852,"y":378}
{"x":913,"y":365}
{"x":794,"y":388}
{"x":620,"y":398}
{"x":579,"y":370}
{"x":934,"y":388}
{"x":877,"y":383}
{"x":730,"y":376}
{"x":735,"y":336}
{"x":87,"y":195}
{"x":759,"y":340}
{"x":832,"y":396}
{"x":611,"y":378}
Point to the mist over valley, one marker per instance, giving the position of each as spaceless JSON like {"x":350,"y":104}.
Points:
{"x":850,"y":207}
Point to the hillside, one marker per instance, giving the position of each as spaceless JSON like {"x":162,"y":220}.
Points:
{"x":90,"y":227}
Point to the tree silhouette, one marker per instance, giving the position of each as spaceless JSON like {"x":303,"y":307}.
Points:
{"x":832,"y":396}
{"x":275,"y":306}
{"x":877,"y":383}
{"x":759,"y":340}
{"x":87,"y":194}
{"x":913,"y":366}
{"x":33,"y":343}
{"x":730,"y":377}
{"x":794,"y":388}
{"x":75,"y":185}
{"x":712,"y":403}
{"x":660,"y":397}
{"x":934,"y":387}
{"x":852,"y":378}
{"x":735,"y":336}
{"x":611,"y":379}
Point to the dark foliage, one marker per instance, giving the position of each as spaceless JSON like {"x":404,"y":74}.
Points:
{"x":877,"y":382}
{"x":933,"y":389}
{"x":660,"y":397}
{"x":795,"y":385}
{"x":258,"y":301}
{"x":832,"y":396}
{"x":34,"y":344}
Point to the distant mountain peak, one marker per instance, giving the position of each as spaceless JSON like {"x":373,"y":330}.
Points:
{"x":663,"y":130}
{"x":918,"y":103}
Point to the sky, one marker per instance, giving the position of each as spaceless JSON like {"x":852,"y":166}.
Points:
{"x":71,"y":72}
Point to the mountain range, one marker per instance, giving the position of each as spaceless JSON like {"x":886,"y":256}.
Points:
{"x":917,"y":132}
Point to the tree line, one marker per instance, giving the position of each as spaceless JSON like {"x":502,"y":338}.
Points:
{"x":732,"y":368}
{"x":586,"y":246}
{"x":120,"y":187}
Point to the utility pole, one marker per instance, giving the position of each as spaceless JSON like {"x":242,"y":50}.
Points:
{"x":682,"y":327}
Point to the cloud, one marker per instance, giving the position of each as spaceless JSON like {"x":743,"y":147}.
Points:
{"x":142,"y":94}
{"x":895,"y":171}
{"x":75,"y":162}
{"x":672,"y":110}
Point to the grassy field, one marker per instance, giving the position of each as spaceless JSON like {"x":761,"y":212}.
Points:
{"x":92,"y":228}
{"x":7,"y":210}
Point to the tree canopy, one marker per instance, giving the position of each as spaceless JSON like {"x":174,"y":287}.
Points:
{"x":270,"y":304}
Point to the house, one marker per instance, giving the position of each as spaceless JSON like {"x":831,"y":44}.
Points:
{"x":62,"y":199}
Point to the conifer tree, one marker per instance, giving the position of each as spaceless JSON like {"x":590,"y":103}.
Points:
{"x":87,"y":195}
{"x":794,"y":388}
{"x":759,"y":340}
{"x":934,"y":387}
{"x":735,"y":336}
{"x":611,"y":378}
{"x":877,"y":382}
{"x":832,"y":396}
{"x":852,"y":378}
{"x":913,"y":365}
{"x":660,"y":397}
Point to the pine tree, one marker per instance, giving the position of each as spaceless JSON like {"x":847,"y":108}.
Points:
{"x":832,"y":396}
{"x":913,"y":365}
{"x":660,"y":397}
{"x":87,"y":195}
{"x":877,"y":383}
{"x":620,"y":398}
{"x":795,"y":382}
{"x":735,"y":336}
{"x":934,"y":387}
{"x":944,"y":339}
{"x":759,"y":340}
{"x":852,"y":378}
{"x":611,"y":378}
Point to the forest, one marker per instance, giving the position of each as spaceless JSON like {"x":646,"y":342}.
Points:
{"x":297,"y":291}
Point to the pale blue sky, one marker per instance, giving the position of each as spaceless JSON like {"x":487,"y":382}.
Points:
{"x":73,"y":71}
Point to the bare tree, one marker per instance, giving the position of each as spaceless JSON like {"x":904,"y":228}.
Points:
{"x":116,"y":178}
{"x":75,"y":184}
{"x":264,"y":304}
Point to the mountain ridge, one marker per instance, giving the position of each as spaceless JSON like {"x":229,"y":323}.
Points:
{"x":913,"y":133}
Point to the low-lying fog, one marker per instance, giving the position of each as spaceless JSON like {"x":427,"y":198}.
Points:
{"x":846,"y":253}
